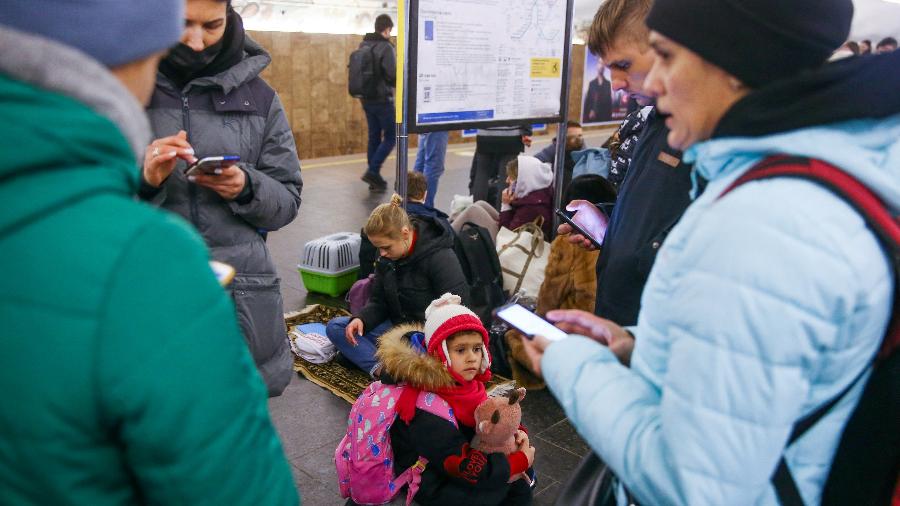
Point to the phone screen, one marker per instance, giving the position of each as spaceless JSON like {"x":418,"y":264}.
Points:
{"x":567,"y":217}
{"x":529,"y":323}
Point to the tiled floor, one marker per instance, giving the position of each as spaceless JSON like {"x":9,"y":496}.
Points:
{"x":309,"y":419}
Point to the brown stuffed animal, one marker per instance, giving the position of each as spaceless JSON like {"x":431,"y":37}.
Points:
{"x":496,"y":421}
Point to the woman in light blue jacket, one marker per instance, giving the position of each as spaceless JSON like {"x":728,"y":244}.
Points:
{"x":762,"y":305}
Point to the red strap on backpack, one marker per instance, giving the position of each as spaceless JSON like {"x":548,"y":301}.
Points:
{"x":866,"y":202}
{"x":887,"y":228}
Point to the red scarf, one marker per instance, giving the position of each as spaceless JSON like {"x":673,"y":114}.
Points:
{"x":463,"y":397}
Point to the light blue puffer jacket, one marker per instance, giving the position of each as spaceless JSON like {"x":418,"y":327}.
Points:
{"x":761,"y":306}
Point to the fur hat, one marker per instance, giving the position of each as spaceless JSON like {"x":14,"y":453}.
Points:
{"x":445,"y":317}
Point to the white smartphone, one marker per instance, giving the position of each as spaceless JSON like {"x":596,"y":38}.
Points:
{"x":209,"y":164}
{"x":224,"y":272}
{"x":529,"y":323}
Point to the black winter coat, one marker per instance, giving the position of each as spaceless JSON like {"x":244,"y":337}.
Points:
{"x":403,"y":288}
{"x":652,"y":198}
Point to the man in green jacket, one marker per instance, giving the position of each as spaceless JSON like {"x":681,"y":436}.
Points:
{"x":124,"y":374}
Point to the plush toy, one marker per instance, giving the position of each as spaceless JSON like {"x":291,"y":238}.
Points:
{"x":497,"y":419}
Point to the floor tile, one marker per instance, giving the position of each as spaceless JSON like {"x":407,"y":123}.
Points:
{"x":563,"y":434}
{"x":547,"y":497}
{"x":308,"y":417}
{"x":553,"y":461}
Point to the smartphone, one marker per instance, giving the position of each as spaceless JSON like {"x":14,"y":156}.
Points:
{"x":529,"y":323}
{"x":224,"y":272}
{"x":565,"y":216}
{"x":209,"y":164}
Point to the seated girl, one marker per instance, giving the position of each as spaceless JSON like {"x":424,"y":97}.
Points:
{"x":453,"y":362}
{"x":529,"y":194}
{"x":416,"y":264}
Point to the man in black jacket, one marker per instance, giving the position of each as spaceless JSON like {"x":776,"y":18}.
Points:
{"x":380,"y":108}
{"x":656,"y":188}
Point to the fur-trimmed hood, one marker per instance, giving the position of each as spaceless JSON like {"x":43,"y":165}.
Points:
{"x":404,"y":363}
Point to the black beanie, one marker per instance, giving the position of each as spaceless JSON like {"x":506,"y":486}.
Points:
{"x":757,"y":41}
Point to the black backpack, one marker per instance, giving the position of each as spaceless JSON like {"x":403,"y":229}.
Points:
{"x":363,"y":76}
{"x":866,"y":465}
{"x":478,"y":258}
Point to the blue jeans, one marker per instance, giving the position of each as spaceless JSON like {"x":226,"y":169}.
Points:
{"x":430,"y":161}
{"x":363,"y":354}
{"x":382,"y":134}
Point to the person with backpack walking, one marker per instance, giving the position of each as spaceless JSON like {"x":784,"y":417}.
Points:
{"x":416,"y":264}
{"x":446,"y":361}
{"x":771,"y":298}
{"x":372,"y":78}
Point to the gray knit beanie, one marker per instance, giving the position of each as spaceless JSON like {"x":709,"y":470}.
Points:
{"x":113,"y":32}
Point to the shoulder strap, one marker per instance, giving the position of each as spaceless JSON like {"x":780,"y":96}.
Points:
{"x":882,"y":223}
{"x":431,"y":402}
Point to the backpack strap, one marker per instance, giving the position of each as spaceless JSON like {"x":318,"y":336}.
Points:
{"x":431,"y":402}
{"x":882,"y":223}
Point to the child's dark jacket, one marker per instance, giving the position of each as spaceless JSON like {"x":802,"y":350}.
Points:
{"x":456,"y":473}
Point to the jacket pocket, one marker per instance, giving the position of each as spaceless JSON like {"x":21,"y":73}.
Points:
{"x":257,"y":298}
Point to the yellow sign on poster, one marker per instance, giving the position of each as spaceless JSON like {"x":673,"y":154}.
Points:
{"x":546,"y":67}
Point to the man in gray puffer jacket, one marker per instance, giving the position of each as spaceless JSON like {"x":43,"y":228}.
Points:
{"x":209,"y":101}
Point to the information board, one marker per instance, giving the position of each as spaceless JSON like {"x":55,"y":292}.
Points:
{"x":480,"y":63}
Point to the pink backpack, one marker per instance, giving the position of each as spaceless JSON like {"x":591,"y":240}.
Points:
{"x":364,"y":458}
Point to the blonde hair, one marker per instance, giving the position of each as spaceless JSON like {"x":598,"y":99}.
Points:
{"x":388,"y":220}
{"x":416,"y":185}
{"x":616,"y":18}
{"x":512,"y":169}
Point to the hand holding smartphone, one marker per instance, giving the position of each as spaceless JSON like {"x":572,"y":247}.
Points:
{"x":566,"y":217}
{"x":529,"y":323}
{"x":209,"y":164}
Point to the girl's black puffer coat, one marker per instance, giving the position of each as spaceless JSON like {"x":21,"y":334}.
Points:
{"x":403,"y":288}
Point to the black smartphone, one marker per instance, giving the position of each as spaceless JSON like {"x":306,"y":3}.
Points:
{"x":565,"y":216}
{"x":529,"y":323}
{"x":209,"y":164}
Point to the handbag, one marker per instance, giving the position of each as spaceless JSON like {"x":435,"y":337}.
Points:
{"x":359,"y":294}
{"x":592,"y":484}
{"x":523,"y":254}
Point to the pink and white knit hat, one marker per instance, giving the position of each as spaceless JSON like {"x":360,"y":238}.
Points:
{"x":446,"y":316}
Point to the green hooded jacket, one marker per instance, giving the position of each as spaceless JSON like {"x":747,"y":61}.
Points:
{"x":124,"y":374}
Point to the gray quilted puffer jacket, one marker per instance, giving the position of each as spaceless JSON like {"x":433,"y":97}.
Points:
{"x":237,"y":113}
